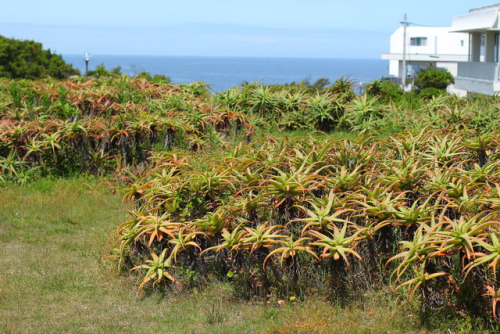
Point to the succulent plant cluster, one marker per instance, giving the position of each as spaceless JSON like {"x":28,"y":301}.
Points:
{"x":420,"y":210}
{"x":96,"y":126}
{"x":101,"y":125}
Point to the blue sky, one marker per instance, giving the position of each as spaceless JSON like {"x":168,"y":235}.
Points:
{"x":269,"y":28}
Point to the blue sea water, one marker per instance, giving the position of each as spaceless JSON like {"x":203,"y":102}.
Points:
{"x":225,"y":72}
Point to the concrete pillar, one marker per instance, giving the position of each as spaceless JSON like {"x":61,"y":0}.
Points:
{"x":394,"y":68}
{"x":489,"y":55}
{"x":475,"y":46}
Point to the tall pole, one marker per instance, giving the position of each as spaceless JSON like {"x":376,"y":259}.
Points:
{"x":404,"y":53}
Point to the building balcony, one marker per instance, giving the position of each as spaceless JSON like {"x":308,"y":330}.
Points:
{"x":479,"y":70}
{"x":425,"y":57}
{"x":478,"y":77}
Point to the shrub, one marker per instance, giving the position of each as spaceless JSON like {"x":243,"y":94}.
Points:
{"x":433,"y":78}
{"x":430,"y":92}
{"x":101,"y":71}
{"x":27,"y":59}
{"x":157,"y":78}
{"x":320,"y":83}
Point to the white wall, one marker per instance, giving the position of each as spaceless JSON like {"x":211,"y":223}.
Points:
{"x":449,"y":66}
{"x":394,"y":68}
{"x":439,"y":41}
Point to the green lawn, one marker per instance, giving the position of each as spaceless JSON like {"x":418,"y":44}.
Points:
{"x":55,"y":278}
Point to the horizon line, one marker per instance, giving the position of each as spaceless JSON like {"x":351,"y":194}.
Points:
{"x":215,"y":56}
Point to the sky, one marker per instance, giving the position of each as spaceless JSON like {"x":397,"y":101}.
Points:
{"x":255,"y":28}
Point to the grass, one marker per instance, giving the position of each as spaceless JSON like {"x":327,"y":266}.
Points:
{"x":335,"y":135}
{"x":55,"y":278}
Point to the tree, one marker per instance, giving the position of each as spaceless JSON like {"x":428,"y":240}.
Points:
{"x":432,"y":77}
{"x":28,"y":60}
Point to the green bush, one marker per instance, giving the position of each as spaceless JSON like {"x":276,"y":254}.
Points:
{"x":433,"y":78}
{"x":157,"y":78}
{"x":430,"y":92}
{"x":28,"y":60}
{"x":101,"y":71}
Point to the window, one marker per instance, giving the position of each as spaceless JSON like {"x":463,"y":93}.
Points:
{"x":412,"y":69}
{"x":462,"y":43}
{"x":418,"y":41}
{"x":495,"y":49}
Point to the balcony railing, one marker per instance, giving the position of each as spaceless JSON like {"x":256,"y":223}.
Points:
{"x":479,"y":70}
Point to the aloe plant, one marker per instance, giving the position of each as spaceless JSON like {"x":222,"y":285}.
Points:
{"x":290,"y":248}
{"x":338,"y":245}
{"x":157,"y":268}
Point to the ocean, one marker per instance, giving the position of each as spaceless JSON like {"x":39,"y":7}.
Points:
{"x":225,"y":72}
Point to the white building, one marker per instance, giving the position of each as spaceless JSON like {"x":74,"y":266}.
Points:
{"x":481,"y":72}
{"x":427,"y":46}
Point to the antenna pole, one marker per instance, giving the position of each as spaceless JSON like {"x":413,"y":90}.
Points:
{"x":404,"y":54}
